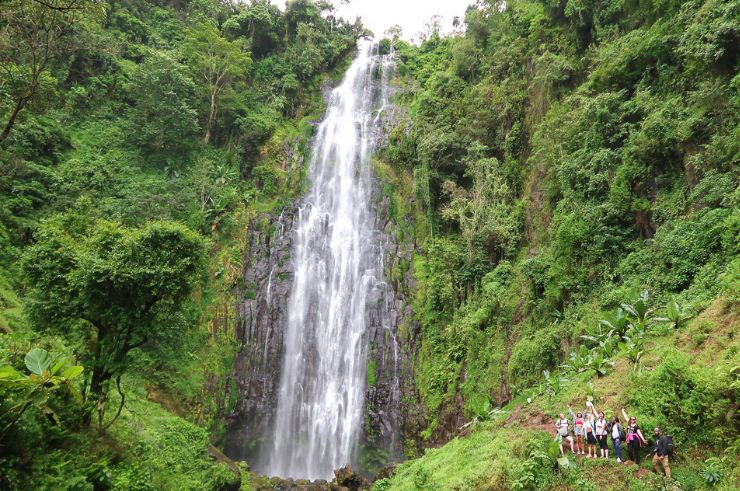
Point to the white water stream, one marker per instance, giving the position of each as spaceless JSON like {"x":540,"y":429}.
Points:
{"x":338,"y":272}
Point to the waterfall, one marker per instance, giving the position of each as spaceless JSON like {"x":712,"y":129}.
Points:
{"x":338,"y":278}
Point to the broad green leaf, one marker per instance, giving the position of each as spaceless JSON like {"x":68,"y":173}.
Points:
{"x":8,"y":372}
{"x":72,"y":372}
{"x":38,"y":361}
{"x":486,"y":406}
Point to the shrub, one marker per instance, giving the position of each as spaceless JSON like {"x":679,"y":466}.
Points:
{"x":680,"y":398}
{"x":532,"y":355}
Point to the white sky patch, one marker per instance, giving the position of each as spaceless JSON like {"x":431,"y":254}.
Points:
{"x":411,"y":15}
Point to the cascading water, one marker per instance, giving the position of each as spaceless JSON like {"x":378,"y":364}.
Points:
{"x":338,"y":278}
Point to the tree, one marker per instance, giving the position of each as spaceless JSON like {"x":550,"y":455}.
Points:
{"x":262,"y":24}
{"x":216,"y":62}
{"x":117,"y":287}
{"x":432,"y":29}
{"x":163,"y":117}
{"x":483,"y":212}
{"x":306,"y":12}
{"x":36,"y":34}
{"x":393,"y":33}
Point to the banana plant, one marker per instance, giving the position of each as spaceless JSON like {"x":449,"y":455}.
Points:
{"x":553,"y":383}
{"x":47,"y":374}
{"x":483,"y":409}
{"x":618,"y":321}
{"x":602,"y":341}
{"x":579,"y":360}
{"x":673,"y":314}
{"x":639,"y":313}
{"x":632,"y":349}
{"x":600,"y":364}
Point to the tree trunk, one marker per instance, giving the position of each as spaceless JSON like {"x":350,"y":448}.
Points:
{"x":19,"y":105}
{"x":96,"y":392}
{"x":211,"y":118}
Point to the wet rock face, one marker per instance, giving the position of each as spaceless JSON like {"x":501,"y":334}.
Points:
{"x":391,"y":402}
{"x":382,"y":431}
{"x":260,"y":316}
{"x":394,"y":401}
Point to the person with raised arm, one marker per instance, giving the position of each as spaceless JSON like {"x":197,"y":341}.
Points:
{"x":635,"y":439}
{"x":578,"y":431}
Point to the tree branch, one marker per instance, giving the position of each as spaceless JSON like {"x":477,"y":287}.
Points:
{"x":120,"y":406}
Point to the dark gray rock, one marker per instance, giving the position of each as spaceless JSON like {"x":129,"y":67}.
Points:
{"x":260,"y":317}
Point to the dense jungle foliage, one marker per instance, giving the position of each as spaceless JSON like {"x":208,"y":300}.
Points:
{"x":138,"y":138}
{"x":567,"y":173}
{"x":574,"y":170}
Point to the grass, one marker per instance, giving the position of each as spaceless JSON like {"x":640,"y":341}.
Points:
{"x":476,"y":462}
{"x":11,"y":314}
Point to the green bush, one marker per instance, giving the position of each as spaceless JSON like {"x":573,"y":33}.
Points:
{"x":532,"y":355}
{"x":683,"y":399}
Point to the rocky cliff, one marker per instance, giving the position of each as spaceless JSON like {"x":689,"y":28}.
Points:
{"x":260,"y":323}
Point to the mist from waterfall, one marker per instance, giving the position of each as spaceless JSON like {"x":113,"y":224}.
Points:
{"x":338,"y":276}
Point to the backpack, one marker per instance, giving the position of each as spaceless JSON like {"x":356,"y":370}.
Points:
{"x":622,"y":435}
{"x":669,"y":445}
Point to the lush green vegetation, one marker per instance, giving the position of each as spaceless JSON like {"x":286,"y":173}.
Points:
{"x":138,"y":139}
{"x":565,"y":173}
{"x":575,"y":165}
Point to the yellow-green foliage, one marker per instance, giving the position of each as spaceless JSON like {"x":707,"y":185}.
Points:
{"x":477,"y":462}
{"x":10,"y":305}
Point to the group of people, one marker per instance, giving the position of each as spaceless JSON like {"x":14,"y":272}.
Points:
{"x":585,"y":430}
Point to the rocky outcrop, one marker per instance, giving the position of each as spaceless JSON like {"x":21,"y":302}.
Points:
{"x":345,"y":479}
{"x":406,"y":411}
{"x":261,"y":315}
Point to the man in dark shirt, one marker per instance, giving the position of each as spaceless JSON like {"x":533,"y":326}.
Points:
{"x":661,"y":453}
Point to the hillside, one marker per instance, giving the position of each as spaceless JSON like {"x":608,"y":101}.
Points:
{"x":567,"y":175}
{"x":512,"y":447}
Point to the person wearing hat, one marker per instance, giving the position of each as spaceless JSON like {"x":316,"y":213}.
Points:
{"x":661,"y":453}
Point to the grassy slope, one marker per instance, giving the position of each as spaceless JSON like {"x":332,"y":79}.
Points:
{"x":492,"y":455}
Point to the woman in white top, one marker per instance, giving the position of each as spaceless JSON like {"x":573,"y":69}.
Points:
{"x":562,"y":426}
{"x":601,"y":431}
{"x":617,"y":437}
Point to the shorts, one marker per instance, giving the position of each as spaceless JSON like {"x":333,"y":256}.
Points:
{"x":591,"y":439}
{"x":602,"y":442}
